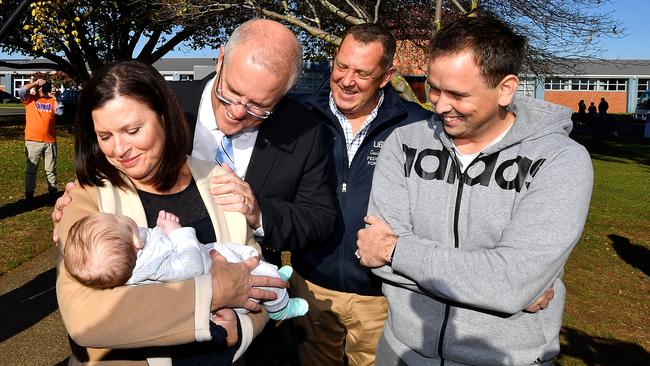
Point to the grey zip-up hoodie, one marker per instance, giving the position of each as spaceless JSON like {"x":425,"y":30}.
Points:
{"x":476,"y":248}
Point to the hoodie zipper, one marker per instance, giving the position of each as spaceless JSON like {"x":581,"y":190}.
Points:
{"x":462,"y":178}
{"x":459,"y":194}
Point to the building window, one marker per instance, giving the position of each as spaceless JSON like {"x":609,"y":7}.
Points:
{"x":614,"y":84}
{"x":526,"y":87}
{"x":19,"y":81}
{"x":186,"y":77}
{"x":554,"y":84}
{"x":585,"y":84}
{"x":644,"y":84}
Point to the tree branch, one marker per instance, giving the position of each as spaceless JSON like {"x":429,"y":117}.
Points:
{"x":460,"y":7}
{"x":341,"y":14}
{"x":316,"y":32}
{"x":360,"y":12}
{"x":133,"y":42}
{"x":376,"y":19}
{"x":151,"y":43}
{"x":316,"y":19}
{"x":438,"y":17}
{"x":169,"y":45}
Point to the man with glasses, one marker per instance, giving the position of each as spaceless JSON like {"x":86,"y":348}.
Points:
{"x":274,"y":145}
{"x":360,"y":109}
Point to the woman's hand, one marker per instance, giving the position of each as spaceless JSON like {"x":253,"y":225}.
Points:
{"x":57,"y":214}
{"x":233,"y":286}
{"x":227,"y":319}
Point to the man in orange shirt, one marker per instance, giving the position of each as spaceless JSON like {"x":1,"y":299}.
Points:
{"x":40,"y":138}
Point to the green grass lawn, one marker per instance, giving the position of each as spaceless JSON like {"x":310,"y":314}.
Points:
{"x":607,"y":314}
{"x":26,"y":232}
{"x":607,"y":311}
{"x":12,"y":106}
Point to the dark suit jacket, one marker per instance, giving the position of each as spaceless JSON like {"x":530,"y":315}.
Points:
{"x":287,"y":172}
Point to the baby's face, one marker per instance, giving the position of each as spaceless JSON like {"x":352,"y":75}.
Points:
{"x":127,"y":221}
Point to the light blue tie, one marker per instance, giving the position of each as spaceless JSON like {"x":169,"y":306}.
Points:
{"x":225,"y":154}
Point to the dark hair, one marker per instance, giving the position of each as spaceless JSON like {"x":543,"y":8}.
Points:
{"x":47,"y":87}
{"x":371,"y":32}
{"x":143,"y":83}
{"x":497,"y":50}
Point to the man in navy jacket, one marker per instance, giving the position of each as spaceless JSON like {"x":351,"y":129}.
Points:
{"x":359,"y":109}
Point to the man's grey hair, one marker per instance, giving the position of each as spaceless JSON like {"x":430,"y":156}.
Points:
{"x":282,"y":56}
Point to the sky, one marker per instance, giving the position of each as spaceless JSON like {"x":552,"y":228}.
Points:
{"x":633,"y":14}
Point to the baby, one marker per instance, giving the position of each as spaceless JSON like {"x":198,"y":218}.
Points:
{"x":106,"y":250}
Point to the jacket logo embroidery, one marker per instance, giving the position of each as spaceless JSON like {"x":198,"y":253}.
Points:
{"x":371,"y":159}
{"x":446,"y":168}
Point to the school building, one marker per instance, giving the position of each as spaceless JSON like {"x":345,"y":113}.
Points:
{"x":620,"y":82}
{"x":178,"y":69}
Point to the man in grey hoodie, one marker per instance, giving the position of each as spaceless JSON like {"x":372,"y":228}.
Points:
{"x":475,"y":211}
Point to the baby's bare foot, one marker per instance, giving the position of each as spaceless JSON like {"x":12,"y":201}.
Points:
{"x":168,"y":222}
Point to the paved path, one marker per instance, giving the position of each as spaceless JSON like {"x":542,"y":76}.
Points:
{"x":12,"y":111}
{"x":31,"y":329}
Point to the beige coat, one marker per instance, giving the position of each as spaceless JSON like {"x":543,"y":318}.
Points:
{"x":131,"y":317}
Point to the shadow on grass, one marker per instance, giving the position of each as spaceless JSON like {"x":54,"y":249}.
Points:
{"x":63,"y":363}
{"x":21,"y":206}
{"x":613,"y":142}
{"x":12,"y":129}
{"x":635,"y":255}
{"x":28,"y":304}
{"x":600,"y":351}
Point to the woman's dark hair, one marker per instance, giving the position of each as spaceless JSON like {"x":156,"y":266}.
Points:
{"x":141,"y":82}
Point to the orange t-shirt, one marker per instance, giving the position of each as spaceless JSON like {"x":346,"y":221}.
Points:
{"x":40,"y":117}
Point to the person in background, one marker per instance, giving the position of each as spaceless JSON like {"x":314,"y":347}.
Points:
{"x":40,"y":135}
{"x":582,"y":112}
{"x":603,"y":106}
{"x":592,"y":113}
{"x":471,"y":216}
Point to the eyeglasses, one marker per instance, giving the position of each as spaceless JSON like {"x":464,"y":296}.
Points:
{"x":251,"y":109}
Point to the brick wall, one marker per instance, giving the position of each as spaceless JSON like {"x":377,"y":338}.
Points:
{"x":617,"y":100}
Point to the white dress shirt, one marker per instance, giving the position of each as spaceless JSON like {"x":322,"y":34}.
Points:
{"x":207,"y":136}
